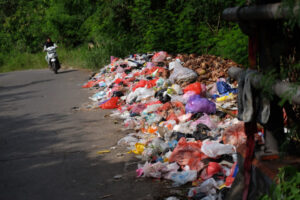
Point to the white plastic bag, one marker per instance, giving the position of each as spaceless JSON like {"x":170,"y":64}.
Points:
{"x":151,"y":108}
{"x":181,"y":178}
{"x":129,"y":140}
{"x":177,"y":88}
{"x":184,"y":127}
{"x":213,"y":149}
{"x":153,"y":170}
{"x":181,"y":74}
{"x":171,"y":198}
{"x":208,"y":187}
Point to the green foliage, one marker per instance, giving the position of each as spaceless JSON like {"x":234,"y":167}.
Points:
{"x":294,"y":17}
{"x":288,"y":180}
{"x":232,"y":44}
{"x":121,"y":27}
{"x":19,"y":61}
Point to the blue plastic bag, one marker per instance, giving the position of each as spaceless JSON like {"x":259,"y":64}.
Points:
{"x":224,"y":87}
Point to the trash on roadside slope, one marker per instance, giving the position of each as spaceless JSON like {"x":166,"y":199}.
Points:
{"x":171,"y":104}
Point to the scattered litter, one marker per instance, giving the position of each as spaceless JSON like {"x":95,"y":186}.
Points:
{"x":118,"y":176}
{"x":103,"y":151}
{"x":182,"y":114}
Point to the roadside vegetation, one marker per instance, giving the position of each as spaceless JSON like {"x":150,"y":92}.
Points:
{"x":115,"y":27}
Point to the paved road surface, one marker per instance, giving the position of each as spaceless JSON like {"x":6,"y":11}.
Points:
{"x":48,"y":150}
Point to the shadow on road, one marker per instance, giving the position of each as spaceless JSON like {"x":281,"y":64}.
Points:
{"x":25,"y":85}
{"x":67,"y":71}
{"x":8,"y":101}
{"x":47,"y":162}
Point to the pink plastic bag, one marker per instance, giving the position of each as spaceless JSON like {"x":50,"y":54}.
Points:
{"x":205,"y":119}
{"x":187,"y":95}
{"x":159,"y":56}
{"x":188,"y":153}
{"x":138,"y":108}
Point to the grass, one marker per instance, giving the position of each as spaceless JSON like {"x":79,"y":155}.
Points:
{"x":77,"y":58}
{"x":21,"y":61}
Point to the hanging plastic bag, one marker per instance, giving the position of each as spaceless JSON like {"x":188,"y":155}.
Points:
{"x":197,"y":104}
{"x":235,"y":135}
{"x":110,"y":104}
{"x":196,"y":87}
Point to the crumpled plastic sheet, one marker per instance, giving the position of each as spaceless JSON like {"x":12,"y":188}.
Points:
{"x":205,"y":119}
{"x":181,"y":178}
{"x":209,"y":187}
{"x":157,"y":170}
{"x":139,"y":94}
{"x":128,"y":140}
{"x":214,"y":149}
{"x":181,"y":74}
{"x":159,"y":56}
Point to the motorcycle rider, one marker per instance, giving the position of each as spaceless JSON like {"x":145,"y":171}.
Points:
{"x":47,"y":44}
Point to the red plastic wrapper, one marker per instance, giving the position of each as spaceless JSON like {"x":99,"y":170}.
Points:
{"x":212,"y":169}
{"x":171,"y":110}
{"x":152,"y":103}
{"x":143,"y":83}
{"x":118,"y":80}
{"x":110,"y":104}
{"x":90,"y":84}
{"x":148,"y":71}
{"x":196,"y":87}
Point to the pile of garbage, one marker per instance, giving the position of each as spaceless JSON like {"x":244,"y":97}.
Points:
{"x":181,"y":110}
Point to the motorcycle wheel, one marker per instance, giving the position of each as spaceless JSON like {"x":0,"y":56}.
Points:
{"x":53,"y":66}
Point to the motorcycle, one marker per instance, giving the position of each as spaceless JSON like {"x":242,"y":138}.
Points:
{"x":52,"y":59}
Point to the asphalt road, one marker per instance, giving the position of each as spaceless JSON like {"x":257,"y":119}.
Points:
{"x":49,"y":151}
